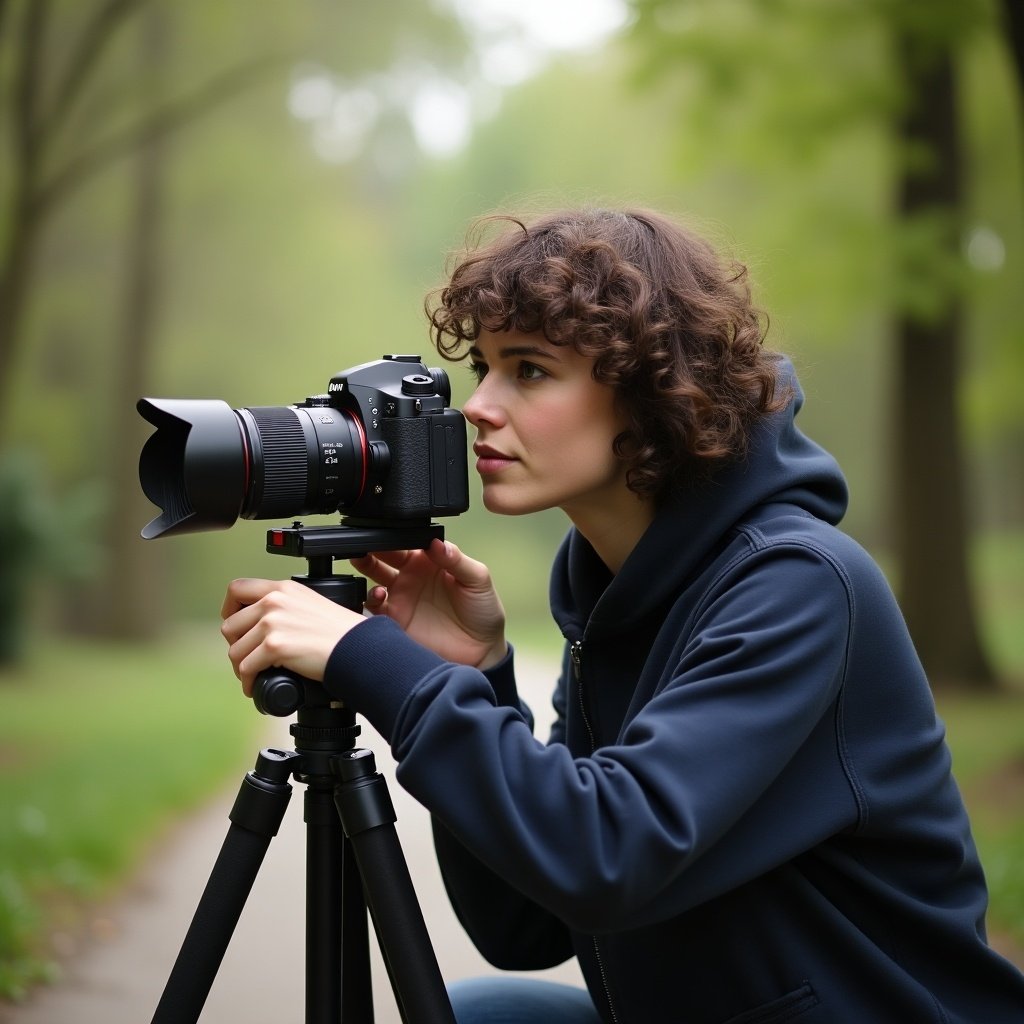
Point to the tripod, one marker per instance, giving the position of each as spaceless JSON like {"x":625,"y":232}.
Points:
{"x":353,"y":858}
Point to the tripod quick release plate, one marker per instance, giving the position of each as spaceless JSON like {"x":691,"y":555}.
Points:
{"x":350,"y":540}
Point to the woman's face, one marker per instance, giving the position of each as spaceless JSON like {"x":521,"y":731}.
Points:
{"x":545,"y":429}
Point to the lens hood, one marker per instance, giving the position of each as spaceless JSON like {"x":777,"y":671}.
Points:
{"x":194,"y":467}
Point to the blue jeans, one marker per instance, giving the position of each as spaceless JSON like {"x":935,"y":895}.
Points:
{"x":513,"y":1000}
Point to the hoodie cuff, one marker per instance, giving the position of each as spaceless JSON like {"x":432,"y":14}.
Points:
{"x":374,"y":668}
{"x":502,"y":678}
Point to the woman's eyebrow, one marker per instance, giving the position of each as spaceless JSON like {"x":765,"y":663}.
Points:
{"x":513,"y":351}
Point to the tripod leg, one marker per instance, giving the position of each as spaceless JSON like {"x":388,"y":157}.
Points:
{"x":255,"y":819}
{"x":337,"y":943}
{"x":368,"y":818}
{"x":323,"y":911}
{"x":356,"y":977}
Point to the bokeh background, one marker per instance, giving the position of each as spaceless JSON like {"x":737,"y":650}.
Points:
{"x":236,"y":201}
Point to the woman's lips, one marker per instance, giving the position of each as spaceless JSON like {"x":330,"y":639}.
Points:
{"x":490,"y":460}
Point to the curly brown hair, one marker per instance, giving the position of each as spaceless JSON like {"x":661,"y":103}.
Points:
{"x":669,"y":323}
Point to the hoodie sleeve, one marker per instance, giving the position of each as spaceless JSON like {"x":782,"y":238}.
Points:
{"x":508,"y":929}
{"x":511,"y":931}
{"x":708,"y":787}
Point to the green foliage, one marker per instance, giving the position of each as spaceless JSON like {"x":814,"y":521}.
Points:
{"x":985,"y":736}
{"x":767,"y":123}
{"x":797,"y":102}
{"x":280,"y":270}
{"x":100,"y":748}
{"x":999,"y":570}
{"x":39,"y":543}
{"x":995,"y":220}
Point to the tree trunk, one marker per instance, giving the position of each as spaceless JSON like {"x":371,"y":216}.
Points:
{"x":130,"y":604}
{"x":15,"y":284}
{"x":931,"y":517}
{"x":16,"y":262}
{"x":39,"y":182}
{"x":1014,"y":11}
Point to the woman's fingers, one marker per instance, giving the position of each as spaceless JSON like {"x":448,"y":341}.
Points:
{"x":465,"y":570}
{"x":281,"y":623}
{"x":376,"y":600}
{"x":242,"y":593}
{"x":382,"y":567}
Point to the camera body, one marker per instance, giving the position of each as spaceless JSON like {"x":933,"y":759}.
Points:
{"x":380,"y":447}
{"x":416,"y":446}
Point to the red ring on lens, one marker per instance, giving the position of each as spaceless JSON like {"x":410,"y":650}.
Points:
{"x":365,"y":452}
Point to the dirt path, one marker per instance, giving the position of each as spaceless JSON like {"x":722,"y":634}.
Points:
{"x":117,"y":970}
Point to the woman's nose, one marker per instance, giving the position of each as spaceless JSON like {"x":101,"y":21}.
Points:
{"x":481,"y":407}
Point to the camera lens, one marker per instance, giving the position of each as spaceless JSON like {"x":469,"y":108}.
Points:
{"x":302,"y":460}
{"x":207,"y":464}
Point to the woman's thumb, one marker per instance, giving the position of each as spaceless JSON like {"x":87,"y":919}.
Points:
{"x":465,"y":570}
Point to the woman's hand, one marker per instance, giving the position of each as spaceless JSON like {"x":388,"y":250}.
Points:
{"x":442,"y":599}
{"x":281,"y":623}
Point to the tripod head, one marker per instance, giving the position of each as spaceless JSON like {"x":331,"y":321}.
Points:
{"x":279,"y":692}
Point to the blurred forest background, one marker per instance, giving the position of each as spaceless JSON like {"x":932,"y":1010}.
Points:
{"x":222,"y":200}
{"x":203,"y":203}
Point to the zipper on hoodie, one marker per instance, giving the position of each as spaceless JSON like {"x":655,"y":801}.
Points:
{"x":604,"y":981}
{"x":576,"y":653}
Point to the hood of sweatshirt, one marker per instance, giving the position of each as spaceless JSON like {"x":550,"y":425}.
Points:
{"x":782,"y":465}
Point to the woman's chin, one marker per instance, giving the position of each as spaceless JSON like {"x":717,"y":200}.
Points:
{"x":506,"y":504}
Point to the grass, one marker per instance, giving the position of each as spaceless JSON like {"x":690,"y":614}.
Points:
{"x":986,"y":736}
{"x":100,"y":748}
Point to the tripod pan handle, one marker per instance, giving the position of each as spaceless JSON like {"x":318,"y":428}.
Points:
{"x":278,"y":692}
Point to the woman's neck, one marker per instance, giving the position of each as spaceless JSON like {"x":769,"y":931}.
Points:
{"x":613,"y":532}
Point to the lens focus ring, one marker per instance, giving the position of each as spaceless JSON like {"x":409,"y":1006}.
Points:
{"x":283,"y":478}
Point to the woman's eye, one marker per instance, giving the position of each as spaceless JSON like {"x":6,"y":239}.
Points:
{"x":530,"y":371}
{"x":478,"y":371}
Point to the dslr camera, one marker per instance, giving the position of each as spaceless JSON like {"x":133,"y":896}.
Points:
{"x":381,"y":447}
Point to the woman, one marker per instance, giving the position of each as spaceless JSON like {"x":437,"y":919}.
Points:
{"x":745,"y":810}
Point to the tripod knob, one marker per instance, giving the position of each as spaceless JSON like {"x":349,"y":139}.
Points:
{"x":277,"y":692}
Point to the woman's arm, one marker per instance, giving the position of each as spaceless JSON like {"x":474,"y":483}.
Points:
{"x":509,"y":930}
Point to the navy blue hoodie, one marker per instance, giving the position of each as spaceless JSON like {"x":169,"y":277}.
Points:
{"x":745,"y":811}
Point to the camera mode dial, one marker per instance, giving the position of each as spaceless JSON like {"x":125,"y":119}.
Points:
{"x":417,"y":384}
